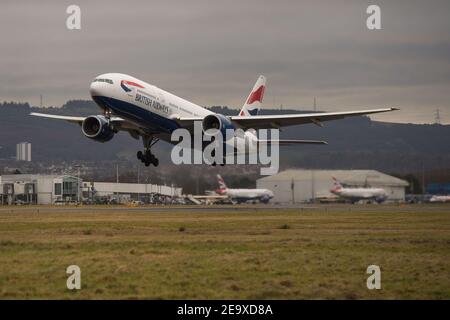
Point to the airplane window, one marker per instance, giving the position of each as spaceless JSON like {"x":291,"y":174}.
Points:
{"x":104,"y":80}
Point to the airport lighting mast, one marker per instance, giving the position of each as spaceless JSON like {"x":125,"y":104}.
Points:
{"x":437,"y":117}
{"x":138,"y":186}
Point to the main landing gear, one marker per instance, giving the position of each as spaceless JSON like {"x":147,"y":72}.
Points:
{"x":214,"y":164}
{"x":147,"y":157}
{"x":213,"y":153}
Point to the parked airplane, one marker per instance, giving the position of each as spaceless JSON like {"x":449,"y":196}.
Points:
{"x":146,"y":111}
{"x":356,"y":194}
{"x":243,"y":195}
{"x":442,"y":199}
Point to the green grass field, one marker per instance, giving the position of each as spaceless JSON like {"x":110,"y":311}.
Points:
{"x":258,"y":254}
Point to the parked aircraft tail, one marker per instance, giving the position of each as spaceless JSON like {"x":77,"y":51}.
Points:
{"x":222,"y":185}
{"x":337,"y":185}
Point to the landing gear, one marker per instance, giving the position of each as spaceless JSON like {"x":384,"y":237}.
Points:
{"x":213,"y":153}
{"x":147,"y":157}
{"x":215,"y":164}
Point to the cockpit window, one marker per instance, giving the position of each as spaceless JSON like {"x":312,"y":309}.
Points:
{"x":103,"y":80}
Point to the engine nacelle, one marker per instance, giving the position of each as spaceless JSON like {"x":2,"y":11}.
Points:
{"x":97,"y":128}
{"x":216,"y":122}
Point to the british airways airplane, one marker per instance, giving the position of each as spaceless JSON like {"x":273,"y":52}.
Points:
{"x":144,"y":110}
{"x":243,"y":195}
{"x":360,"y":193}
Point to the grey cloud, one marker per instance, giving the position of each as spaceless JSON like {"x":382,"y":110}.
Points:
{"x":210,"y":52}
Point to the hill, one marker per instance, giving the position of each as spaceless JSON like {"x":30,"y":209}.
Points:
{"x":353,"y":143}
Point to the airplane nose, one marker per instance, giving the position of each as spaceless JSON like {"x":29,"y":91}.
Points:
{"x":95,"y":89}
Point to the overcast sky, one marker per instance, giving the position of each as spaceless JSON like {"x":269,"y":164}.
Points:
{"x":211,"y":52}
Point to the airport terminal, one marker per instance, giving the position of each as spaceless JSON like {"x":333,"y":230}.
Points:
{"x":56,"y":189}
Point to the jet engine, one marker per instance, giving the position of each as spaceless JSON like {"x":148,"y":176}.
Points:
{"x":97,"y":128}
{"x":216,"y":122}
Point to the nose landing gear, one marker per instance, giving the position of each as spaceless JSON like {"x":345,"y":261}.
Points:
{"x":147,"y":157}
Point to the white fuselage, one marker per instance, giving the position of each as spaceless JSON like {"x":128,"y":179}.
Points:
{"x":150,"y":108}
{"x":360,"y":193}
{"x":248,"y":194}
{"x":142,"y":103}
{"x":442,"y":199}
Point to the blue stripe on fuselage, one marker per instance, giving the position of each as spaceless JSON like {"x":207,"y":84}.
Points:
{"x":137,"y":114}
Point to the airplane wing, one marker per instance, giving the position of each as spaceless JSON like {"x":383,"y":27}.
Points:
{"x":119,"y":123}
{"x":284,"y":120}
{"x":277,"y":121}
{"x":78,"y":120}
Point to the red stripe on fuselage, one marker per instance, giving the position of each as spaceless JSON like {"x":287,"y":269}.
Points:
{"x":131,"y":83}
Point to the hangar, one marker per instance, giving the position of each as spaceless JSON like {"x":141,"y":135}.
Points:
{"x":302,"y":185}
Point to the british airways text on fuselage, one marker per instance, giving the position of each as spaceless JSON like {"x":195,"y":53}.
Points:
{"x":151,"y":103}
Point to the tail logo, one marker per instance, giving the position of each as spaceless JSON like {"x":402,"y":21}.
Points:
{"x":222,"y":185}
{"x":337,"y":186}
{"x":256,"y":95}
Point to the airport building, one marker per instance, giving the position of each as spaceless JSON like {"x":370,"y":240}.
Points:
{"x":53,"y":189}
{"x":297,"y":186}
{"x":123,"y":192}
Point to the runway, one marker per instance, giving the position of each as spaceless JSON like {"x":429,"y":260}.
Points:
{"x":235,"y":208}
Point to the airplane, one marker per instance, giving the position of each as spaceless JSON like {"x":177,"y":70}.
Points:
{"x":243,"y":195}
{"x":442,"y":199}
{"x":146,"y":111}
{"x":361,"y":193}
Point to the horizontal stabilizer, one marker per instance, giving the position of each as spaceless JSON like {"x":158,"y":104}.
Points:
{"x":289,"y":142}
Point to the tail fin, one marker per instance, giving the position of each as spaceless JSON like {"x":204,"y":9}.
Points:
{"x":254,"y":101}
{"x":337,"y":185}
{"x":222,"y":186}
